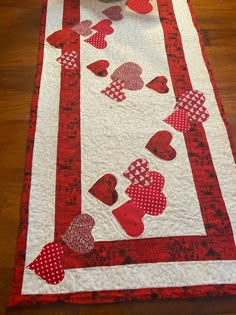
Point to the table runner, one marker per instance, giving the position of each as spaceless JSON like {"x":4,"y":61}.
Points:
{"x":130,"y":177}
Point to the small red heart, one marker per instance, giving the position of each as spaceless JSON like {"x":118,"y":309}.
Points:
{"x":179,"y":120}
{"x":140,"y":6}
{"x":130,"y":218}
{"x":104,"y":189}
{"x":104,"y":27}
{"x":159,"y":84}
{"x":113,"y":13}
{"x":99,"y":68}
{"x":97,"y":40}
{"x":151,"y":199}
{"x":48,"y":264}
{"x":79,"y":234}
{"x":159,"y":145}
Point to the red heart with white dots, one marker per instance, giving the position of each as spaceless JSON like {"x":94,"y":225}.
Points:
{"x":97,"y":40}
{"x":130,"y":218}
{"x":151,"y":200}
{"x":138,"y":174}
{"x":79,"y":234}
{"x":48,"y":264}
{"x":179,"y":120}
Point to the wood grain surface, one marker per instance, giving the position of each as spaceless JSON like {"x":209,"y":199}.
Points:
{"x":19,"y":33}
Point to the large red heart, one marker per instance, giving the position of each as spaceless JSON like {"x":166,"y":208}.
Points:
{"x":179,"y":120}
{"x":137,"y":173}
{"x":97,"y":40}
{"x":159,"y":84}
{"x":151,"y":199}
{"x":159,"y":145}
{"x":104,"y":189}
{"x":192,"y":102}
{"x":140,"y":6}
{"x":113,"y":13}
{"x":66,"y":38}
{"x":99,"y":68}
{"x":104,"y":27}
{"x":79,"y":234}
{"x":48,"y":264}
{"x":130,"y":218}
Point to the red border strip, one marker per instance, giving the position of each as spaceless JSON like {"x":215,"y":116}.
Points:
{"x":88,"y":297}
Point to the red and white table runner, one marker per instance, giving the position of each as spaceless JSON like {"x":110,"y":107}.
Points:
{"x":130,"y":178}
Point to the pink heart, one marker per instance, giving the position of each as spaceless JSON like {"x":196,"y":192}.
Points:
{"x":179,"y":120}
{"x":48,"y":264}
{"x":130,"y":218}
{"x":83,"y":28}
{"x":113,"y":13}
{"x":104,"y":27}
{"x":151,"y":199}
{"x":192,"y":102}
{"x":138,"y":174}
{"x":78,"y":236}
{"x":97,"y":40}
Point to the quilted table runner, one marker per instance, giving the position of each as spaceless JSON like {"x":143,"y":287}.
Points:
{"x":130,"y":178}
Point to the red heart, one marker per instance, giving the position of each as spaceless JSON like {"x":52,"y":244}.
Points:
{"x":140,"y":6}
{"x":159,"y":85}
{"x":97,"y":40}
{"x":113,"y":13}
{"x":104,"y":27}
{"x":159,"y":145}
{"x":151,"y":199}
{"x":65,"y":38}
{"x":83,"y":28}
{"x":138,"y":174}
{"x":48,"y":264}
{"x":104,"y":189}
{"x":192,"y":102}
{"x":99,"y":68}
{"x":130,"y":218}
{"x":78,"y":236}
{"x":179,"y":120}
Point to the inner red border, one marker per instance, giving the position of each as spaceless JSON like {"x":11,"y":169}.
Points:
{"x":16,"y":299}
{"x":217,"y":244}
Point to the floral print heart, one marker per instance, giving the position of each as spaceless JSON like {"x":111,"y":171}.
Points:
{"x":79,"y":234}
{"x":159,"y":145}
{"x":83,"y":28}
{"x":130,"y":218}
{"x":113,"y":13}
{"x":151,"y":200}
{"x":48,"y":264}
{"x":138,"y":174}
{"x":104,"y":189}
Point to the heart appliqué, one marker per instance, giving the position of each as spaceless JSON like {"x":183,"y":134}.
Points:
{"x":83,"y":28}
{"x":113,"y":13}
{"x":69,"y":60}
{"x":99,"y":68}
{"x":179,"y":120}
{"x":104,"y":27}
{"x":66,"y":38}
{"x":138,"y":174}
{"x":140,"y":6}
{"x":104,"y":189}
{"x":79,"y":234}
{"x":159,"y":84}
{"x":130,"y":218}
{"x":97,"y":40}
{"x":151,"y":200}
{"x":159,"y":145}
{"x":192,"y":102}
{"x":48,"y":264}
{"x":115,"y":91}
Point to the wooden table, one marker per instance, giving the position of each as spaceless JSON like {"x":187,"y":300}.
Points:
{"x":19,"y":27}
